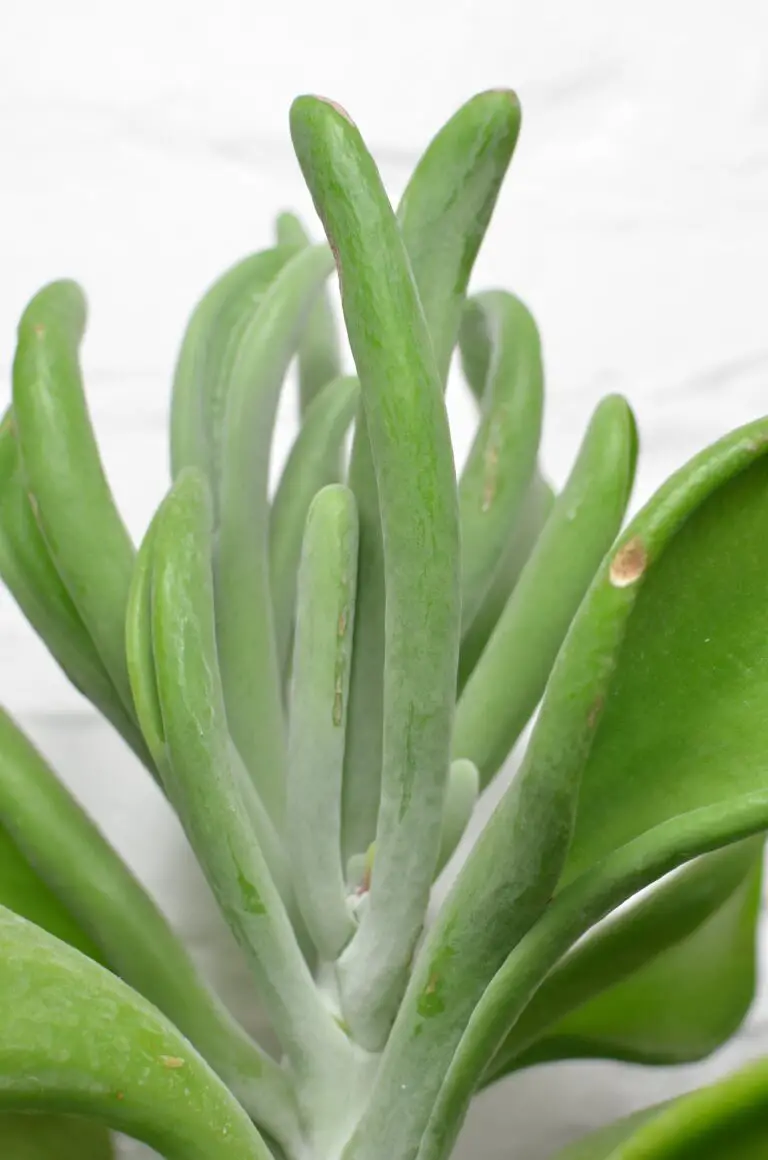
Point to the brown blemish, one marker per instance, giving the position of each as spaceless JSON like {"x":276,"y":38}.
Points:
{"x":338,"y":702}
{"x":34,"y":505}
{"x":594,"y":712}
{"x":629,"y":563}
{"x":342,"y":624}
{"x":339,"y":108}
{"x":39,"y":330}
{"x":172,"y":1062}
{"x":119,"y":1095}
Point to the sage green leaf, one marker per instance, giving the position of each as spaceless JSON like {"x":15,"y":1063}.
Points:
{"x":460,"y":800}
{"x":497,"y":475}
{"x":75,"y":1039}
{"x":32,"y":1136}
{"x":727,"y":1120}
{"x":666,"y":980}
{"x":245,"y":627}
{"x":510,"y":876}
{"x":443,"y":216}
{"x":537,"y":509}
{"x":313,"y":463}
{"x":570,"y":914}
{"x":319,"y":353}
{"x":68,"y":490}
{"x":30,"y":575}
{"x":203,"y":780}
{"x":318,"y":711}
{"x":407,"y":428}
{"x":511,"y":675}
{"x":204,"y":363}
{"x":82,"y":892}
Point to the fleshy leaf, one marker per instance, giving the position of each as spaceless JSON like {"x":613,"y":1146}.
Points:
{"x":33,"y":1136}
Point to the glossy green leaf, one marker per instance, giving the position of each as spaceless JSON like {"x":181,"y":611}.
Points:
{"x":30,"y":575}
{"x":512,"y":872}
{"x":31,"y":1136}
{"x":204,"y":363}
{"x":443,"y":216}
{"x":319,"y":353}
{"x":313,"y":463}
{"x":81,"y":891}
{"x":727,"y":1120}
{"x":318,"y":712}
{"x":497,"y":476}
{"x":410,"y":444}
{"x":74,"y":1038}
{"x":512,"y":673}
{"x":537,"y":509}
{"x":666,"y":980}
{"x":203,"y":780}
{"x":245,"y":628}
{"x":68,"y":489}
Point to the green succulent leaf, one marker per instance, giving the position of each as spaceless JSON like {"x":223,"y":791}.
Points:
{"x":727,"y":1120}
{"x":312,"y":464}
{"x":319,"y":348}
{"x":68,"y":490}
{"x":496,"y":479}
{"x":460,"y":800}
{"x":512,"y":673}
{"x":33,"y":1136}
{"x":411,"y":450}
{"x":75,"y":1039}
{"x":666,"y":980}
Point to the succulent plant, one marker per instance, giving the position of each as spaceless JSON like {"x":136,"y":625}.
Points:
{"x":324,"y":680}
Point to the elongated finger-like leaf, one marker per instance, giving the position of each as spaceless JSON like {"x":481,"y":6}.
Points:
{"x":201,"y":378}
{"x":460,"y":800}
{"x":68,"y":489}
{"x":443,"y":216}
{"x":318,"y":710}
{"x":245,"y":627}
{"x":319,"y":354}
{"x":410,"y":444}
{"x":497,"y":476}
{"x":116,"y":921}
{"x":513,"y":871}
{"x":727,"y":1120}
{"x":74,"y":1038}
{"x":312,"y":464}
{"x":447,"y":207}
{"x":537,"y":509}
{"x":573,"y":911}
{"x":510,"y":677}
{"x":31,"y":577}
{"x":664,"y":981}
{"x":30,"y":1136}
{"x":203,"y":781}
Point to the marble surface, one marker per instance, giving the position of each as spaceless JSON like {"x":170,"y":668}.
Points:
{"x":144,"y":147}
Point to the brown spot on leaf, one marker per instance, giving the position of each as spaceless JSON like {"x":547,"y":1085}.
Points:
{"x":342,"y":625}
{"x":39,"y":330}
{"x":34,"y":505}
{"x":594,"y":712}
{"x":172,"y":1062}
{"x":629,"y":563}
{"x":119,"y":1095}
{"x":339,"y":108}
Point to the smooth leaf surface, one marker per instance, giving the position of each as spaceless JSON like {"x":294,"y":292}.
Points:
{"x":666,"y":980}
{"x":30,"y":1136}
{"x":497,"y":476}
{"x":74,"y":1038}
{"x":68,"y":489}
{"x":407,"y":427}
{"x":600,"y":1145}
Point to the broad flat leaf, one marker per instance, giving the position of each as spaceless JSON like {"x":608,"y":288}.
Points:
{"x":665,"y":981}
{"x":31,"y":1136}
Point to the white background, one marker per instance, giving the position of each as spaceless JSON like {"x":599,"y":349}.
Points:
{"x":144,"y":146}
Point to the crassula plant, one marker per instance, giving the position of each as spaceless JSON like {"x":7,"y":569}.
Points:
{"x":323,"y":681}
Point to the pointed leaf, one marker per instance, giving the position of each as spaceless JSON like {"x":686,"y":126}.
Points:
{"x":30,"y":1136}
{"x":411,"y":449}
{"x":74,"y":1038}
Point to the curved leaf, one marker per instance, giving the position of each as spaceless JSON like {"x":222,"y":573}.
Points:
{"x":497,"y":475}
{"x":245,"y":628}
{"x":313,"y":463}
{"x":664,"y":981}
{"x":319,"y":354}
{"x":68,"y":489}
{"x":511,"y":675}
{"x":74,"y":1038}
{"x":601,"y":1145}
{"x":31,"y":1136}
{"x":443,"y":216}
{"x":411,"y":449}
